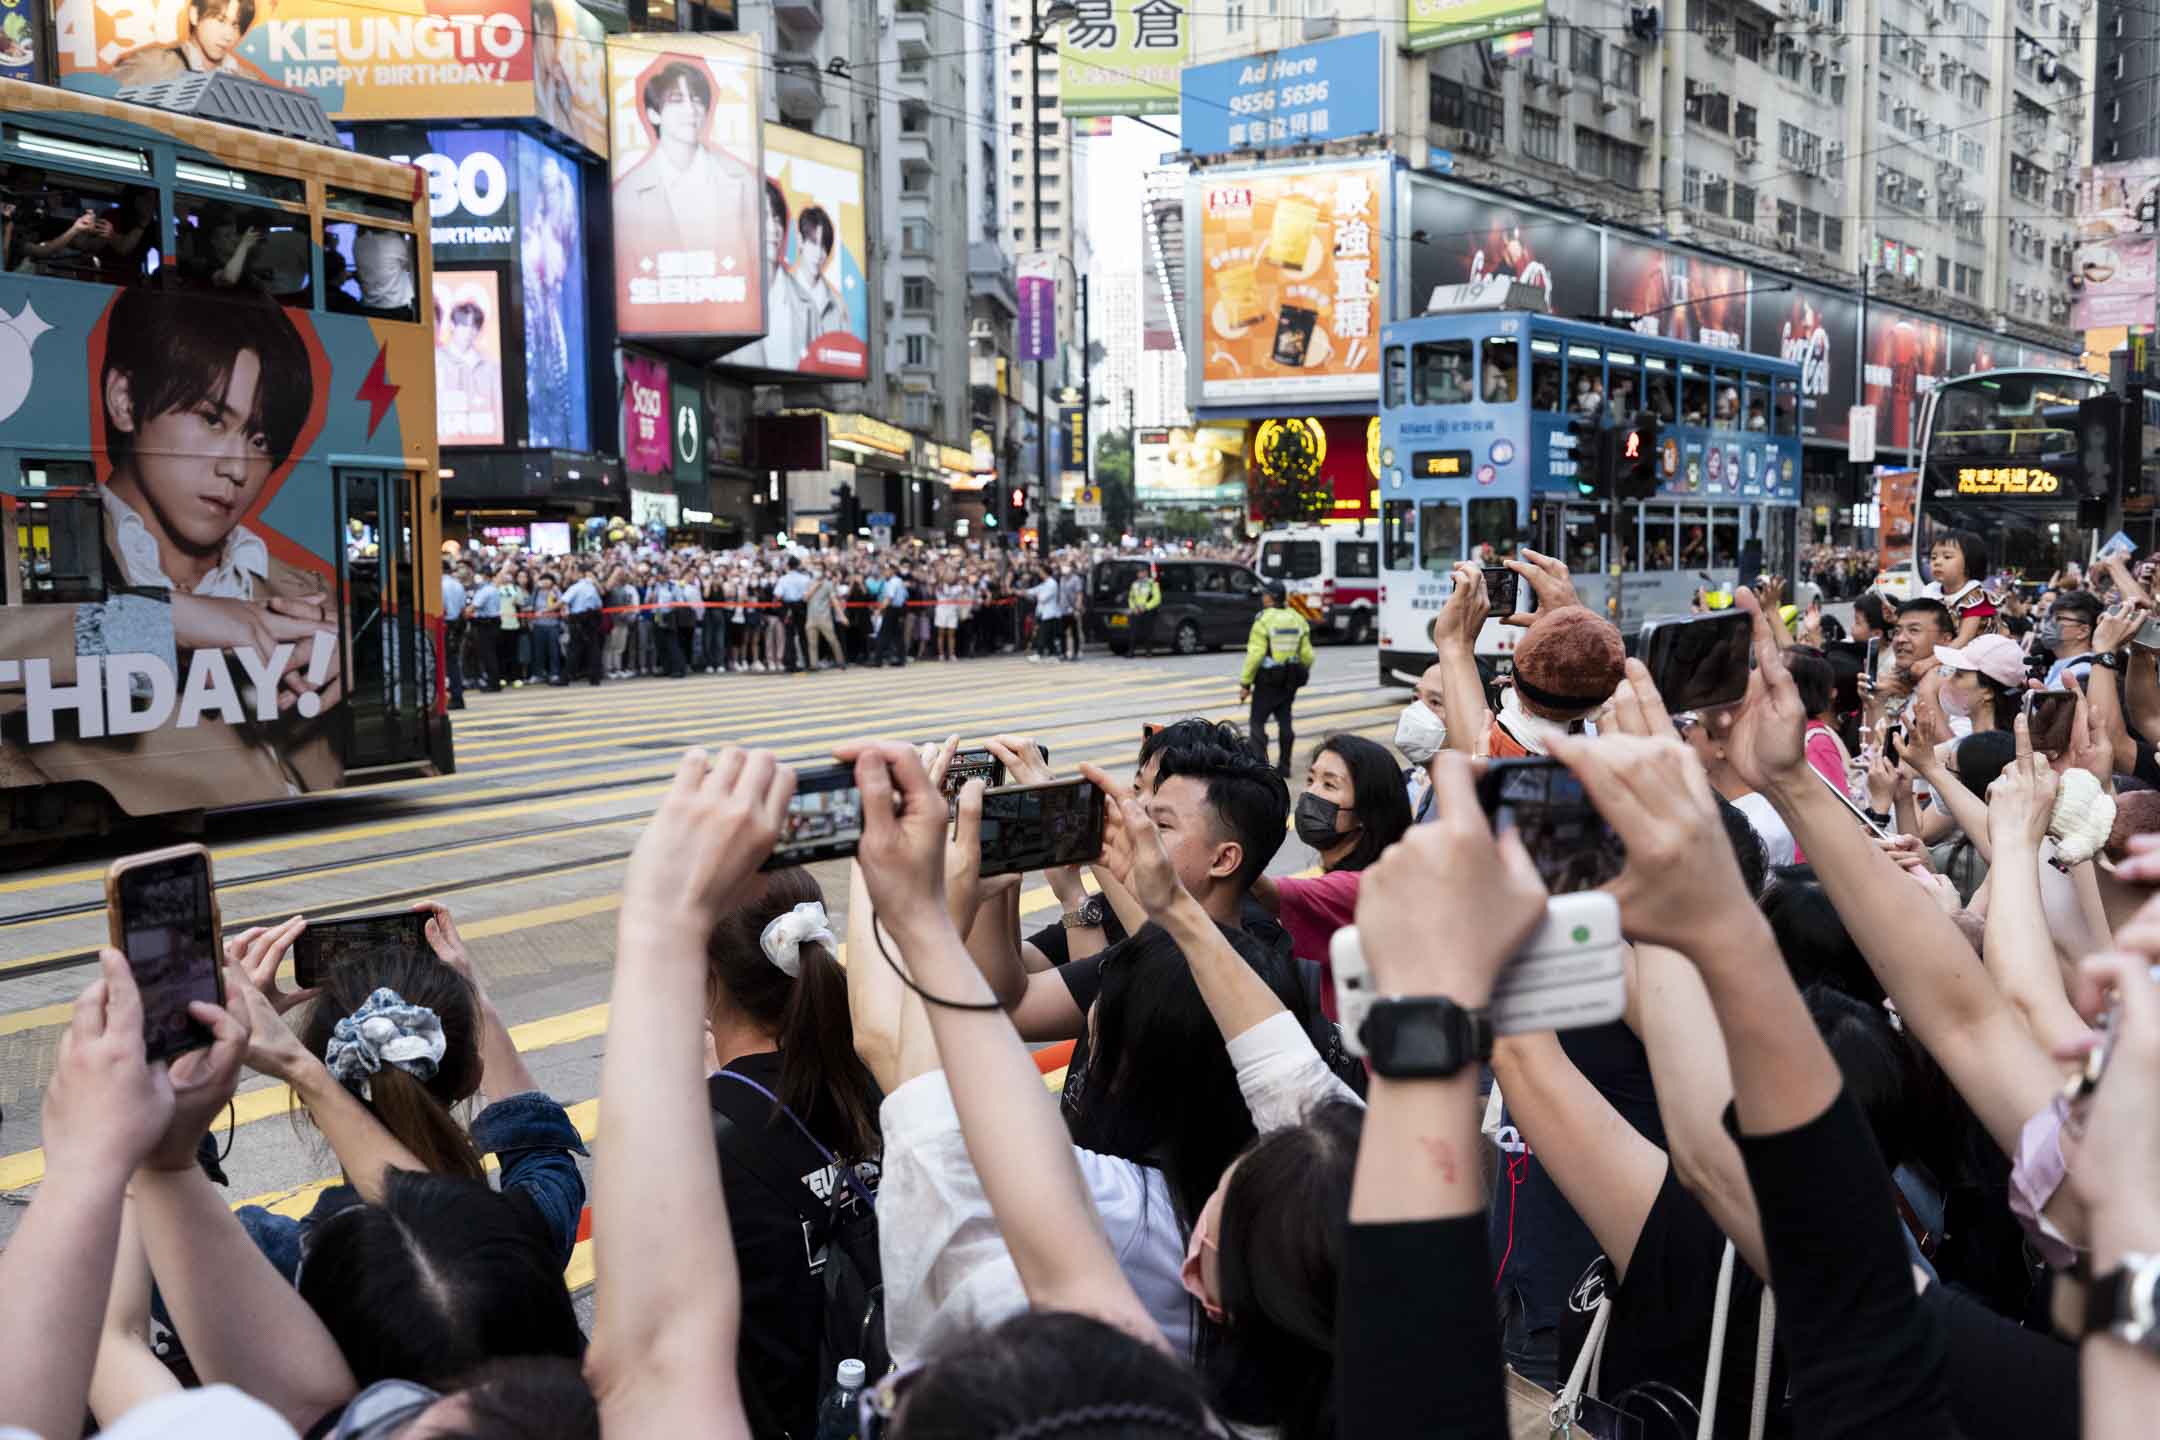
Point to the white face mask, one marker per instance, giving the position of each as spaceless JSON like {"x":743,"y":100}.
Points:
{"x":1420,"y":734}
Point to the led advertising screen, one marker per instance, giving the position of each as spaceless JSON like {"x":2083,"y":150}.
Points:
{"x":817,"y":294}
{"x":468,"y":357}
{"x":1907,"y":356}
{"x":551,"y":266}
{"x":687,"y":163}
{"x":646,"y":438}
{"x":471,"y":184}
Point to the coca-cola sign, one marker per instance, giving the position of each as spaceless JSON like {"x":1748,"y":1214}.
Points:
{"x":1815,"y":330}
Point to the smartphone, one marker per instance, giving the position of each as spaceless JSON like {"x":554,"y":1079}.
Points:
{"x":1868,"y":667}
{"x":974,"y":763}
{"x":824,"y":819}
{"x":2049,"y":715}
{"x":1893,"y":741}
{"x":1700,"y":662}
{"x":326,"y":944}
{"x":1571,"y":973}
{"x":1502,"y":589}
{"x":162,"y":910}
{"x":1039,"y":827}
{"x":1857,"y":813}
{"x":1542,"y":801}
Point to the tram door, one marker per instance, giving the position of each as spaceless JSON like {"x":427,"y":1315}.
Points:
{"x":379,"y":587}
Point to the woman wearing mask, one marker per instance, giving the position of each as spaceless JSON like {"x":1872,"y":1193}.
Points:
{"x":1421,"y":734}
{"x":1983,"y":683}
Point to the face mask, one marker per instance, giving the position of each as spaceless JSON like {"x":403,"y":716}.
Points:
{"x":1192,"y":1275}
{"x":1420,"y":734}
{"x":1316,"y":816}
{"x":2051,"y":635}
{"x":1954,"y":703}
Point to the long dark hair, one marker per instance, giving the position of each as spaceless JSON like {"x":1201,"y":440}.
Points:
{"x":1160,"y":1089}
{"x":415,"y":1112}
{"x":527,"y":1397}
{"x":1377,"y":796}
{"x":1273,"y":1361}
{"x":1040,"y":1365}
{"x":821,"y":1078}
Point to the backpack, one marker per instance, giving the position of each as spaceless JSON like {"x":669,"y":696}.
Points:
{"x":853,"y":1275}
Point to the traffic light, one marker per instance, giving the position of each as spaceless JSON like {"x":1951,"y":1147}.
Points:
{"x":848,"y":511}
{"x":2099,"y":448}
{"x":1635,"y":458}
{"x":1593,"y":457}
{"x":1017,"y":514}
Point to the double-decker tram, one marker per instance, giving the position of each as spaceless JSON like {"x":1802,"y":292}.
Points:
{"x":218,"y":483}
{"x":1487,"y":417}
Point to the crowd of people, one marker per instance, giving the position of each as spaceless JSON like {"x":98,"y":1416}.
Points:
{"x":1839,"y":572}
{"x":627,"y":612}
{"x":1870,"y":1152}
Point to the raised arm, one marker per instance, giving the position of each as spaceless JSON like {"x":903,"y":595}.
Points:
{"x":503,"y":1071}
{"x":2019,"y":952}
{"x":663,"y":1353}
{"x":1455,"y":632}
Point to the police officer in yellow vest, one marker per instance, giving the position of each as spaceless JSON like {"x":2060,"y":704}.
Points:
{"x":1141,"y":603}
{"x":1278,"y":659}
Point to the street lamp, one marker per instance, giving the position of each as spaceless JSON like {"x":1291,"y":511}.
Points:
{"x":1060,"y":12}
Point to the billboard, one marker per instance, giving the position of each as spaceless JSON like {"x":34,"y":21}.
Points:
{"x":2112,"y":268}
{"x":471,"y":184}
{"x":551,"y":272}
{"x":1468,"y":238}
{"x":18,"y":39}
{"x":687,"y":165}
{"x":570,"y":72}
{"x":1907,"y":356}
{"x":1818,"y":332}
{"x":817,"y":292}
{"x":1122,"y":57}
{"x":1038,"y":305}
{"x":647,"y":436}
{"x":468,"y":357}
{"x":1288,"y":285}
{"x":1675,"y":295}
{"x":1430,"y":24}
{"x":1300,"y":96}
{"x":1201,"y":465}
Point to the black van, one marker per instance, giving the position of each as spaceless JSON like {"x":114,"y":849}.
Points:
{"x":1206,"y":604}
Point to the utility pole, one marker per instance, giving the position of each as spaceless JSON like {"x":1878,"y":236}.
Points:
{"x":1035,"y":179}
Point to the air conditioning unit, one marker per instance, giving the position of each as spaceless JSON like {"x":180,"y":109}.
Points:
{"x":1837,"y":69}
{"x":1790,"y":9}
{"x":1748,"y":148}
{"x":1922,"y":193}
{"x":1474,"y":142}
{"x":1563,"y":80}
{"x":1538,"y":73}
{"x":1718,"y":37}
{"x":1608,"y":95}
{"x":1787,"y":243}
{"x":1645,"y":117}
{"x":1927,"y":74}
{"x":1834,"y":155}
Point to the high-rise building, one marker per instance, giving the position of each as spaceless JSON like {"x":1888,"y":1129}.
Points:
{"x":2126,"y":111}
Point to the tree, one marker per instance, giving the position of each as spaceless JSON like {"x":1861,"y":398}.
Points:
{"x":1113,"y":475}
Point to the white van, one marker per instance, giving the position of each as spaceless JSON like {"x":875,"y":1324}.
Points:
{"x":1331,"y":573}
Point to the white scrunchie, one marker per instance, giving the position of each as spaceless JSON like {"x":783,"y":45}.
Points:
{"x":785,"y":936}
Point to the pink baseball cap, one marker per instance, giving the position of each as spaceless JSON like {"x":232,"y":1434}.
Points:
{"x":1995,"y":656}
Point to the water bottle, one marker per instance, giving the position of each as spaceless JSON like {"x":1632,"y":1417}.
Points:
{"x":836,"y":1412}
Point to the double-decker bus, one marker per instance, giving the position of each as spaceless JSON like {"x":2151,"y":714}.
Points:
{"x":219,"y":580}
{"x":1478,"y":459}
{"x":1986,"y":439}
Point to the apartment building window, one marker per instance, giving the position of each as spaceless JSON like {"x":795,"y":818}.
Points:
{"x":1556,"y":40}
{"x":1788,"y":64}
{"x":1541,"y":135}
{"x":1627,"y":71}
{"x":1810,"y":227}
{"x":1837,"y":87}
{"x":1445,"y":105}
{"x":1749,"y":41}
{"x":1586,"y":53}
{"x":1743,"y":121}
{"x":917,"y":350}
{"x":1236,"y":15}
{"x":1017,"y":102}
{"x":1050,"y":207}
{"x":914,"y":293}
{"x":1716,"y":194}
{"x":1892,"y":45}
{"x":1597,"y":153}
{"x":1743,"y":204}
{"x":1965,"y":279}
{"x":915,"y":236}
{"x":1788,"y":218}
{"x":1485,"y":112}
{"x":1833,"y":234}
{"x":1714,"y":109}
{"x":1942,"y":272}
{"x":1691,"y":187}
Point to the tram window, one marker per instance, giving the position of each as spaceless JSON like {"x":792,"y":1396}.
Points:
{"x":1545,"y":390}
{"x":1498,"y":386}
{"x":1442,"y":373}
{"x":1724,"y":538}
{"x":62,"y":540}
{"x":367,"y":271}
{"x":1492,"y":522}
{"x":1439,"y":535}
{"x":1785,"y":416}
{"x":1725,"y":401}
{"x":1658,"y":388}
{"x":360,"y":202}
{"x":1694,"y":538}
{"x":1583,"y":540}
{"x":1586,"y":379}
{"x":1755,"y":404}
{"x":245,"y":249}
{"x":1396,"y":519}
{"x":1623,"y":386}
{"x":1694,"y":395}
{"x":1657,"y":537}
{"x":78,"y":226}
{"x":1397,"y":368}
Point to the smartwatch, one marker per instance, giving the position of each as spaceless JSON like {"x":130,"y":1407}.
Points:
{"x":2121,"y":1303}
{"x":1424,"y":1037}
{"x":2113,"y":660}
{"x":1089,"y":916}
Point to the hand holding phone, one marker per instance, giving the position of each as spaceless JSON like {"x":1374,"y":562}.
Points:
{"x":326,"y":944}
{"x":1502,"y":587}
{"x":824,"y":819}
{"x":2050,"y":716}
{"x":161,"y":908}
{"x":1700,"y":662}
{"x":1041,"y":826}
{"x":1545,"y":805}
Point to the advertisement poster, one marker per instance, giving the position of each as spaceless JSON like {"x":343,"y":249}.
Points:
{"x":18,"y":39}
{"x":1972,"y":350}
{"x":551,"y":266}
{"x":1433,"y":23}
{"x":1038,"y":305}
{"x":817,"y":295}
{"x":1907,"y":356}
{"x":1202,"y":465}
{"x":471,"y":185}
{"x":404,"y":60}
{"x":1469,"y":239}
{"x":468,"y":358}
{"x":1122,"y":57}
{"x":647,"y":434}
{"x":1677,"y":296}
{"x":1817,"y":332}
{"x":570,"y":72}
{"x":687,"y":167}
{"x":1896,"y":494}
{"x":1302,"y":96}
{"x":1288,"y":290}
{"x":2111,"y":282}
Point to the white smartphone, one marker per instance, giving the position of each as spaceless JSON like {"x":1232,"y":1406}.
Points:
{"x":1570,"y":974}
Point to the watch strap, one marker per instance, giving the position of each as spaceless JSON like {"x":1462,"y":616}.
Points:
{"x":2121,"y":1303}
{"x":2112,"y":660}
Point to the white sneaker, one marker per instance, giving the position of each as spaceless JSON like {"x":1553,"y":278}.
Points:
{"x":1034,"y":659}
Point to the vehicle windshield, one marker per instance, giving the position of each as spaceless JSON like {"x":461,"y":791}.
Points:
{"x":2001,"y":415}
{"x":1290,"y":559}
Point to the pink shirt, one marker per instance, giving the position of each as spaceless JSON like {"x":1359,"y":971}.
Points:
{"x":1311,"y":911}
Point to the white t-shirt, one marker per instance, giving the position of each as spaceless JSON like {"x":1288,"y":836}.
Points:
{"x":1769,"y":826}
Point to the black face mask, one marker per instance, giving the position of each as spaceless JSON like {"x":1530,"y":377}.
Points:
{"x":1316,"y":817}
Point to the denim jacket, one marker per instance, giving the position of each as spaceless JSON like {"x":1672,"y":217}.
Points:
{"x":530,"y":1133}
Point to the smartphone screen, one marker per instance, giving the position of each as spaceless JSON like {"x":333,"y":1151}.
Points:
{"x":1501,"y":589}
{"x":1542,"y":801}
{"x":165,"y":920}
{"x":1701,"y":662}
{"x":1893,"y":738}
{"x":824,"y":820}
{"x":1037,"y":827}
{"x":973,"y":764}
{"x":1873,"y":652}
{"x":2049,"y":714}
{"x":326,"y":944}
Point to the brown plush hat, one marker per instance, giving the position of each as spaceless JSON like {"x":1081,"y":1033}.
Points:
{"x":2137,"y":812}
{"x":1569,"y":663}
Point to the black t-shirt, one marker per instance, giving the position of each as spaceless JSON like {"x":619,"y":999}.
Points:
{"x":1055,"y":941}
{"x":777,"y":1253}
{"x":1660,"y":1327}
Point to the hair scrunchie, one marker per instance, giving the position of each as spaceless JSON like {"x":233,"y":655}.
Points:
{"x":785,"y":935}
{"x":385,"y":1030}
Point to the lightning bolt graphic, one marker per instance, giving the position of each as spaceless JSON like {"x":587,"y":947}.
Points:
{"x":377,"y":390}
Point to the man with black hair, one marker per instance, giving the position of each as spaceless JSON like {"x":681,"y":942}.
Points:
{"x":2068,"y":636}
{"x":813,"y":252}
{"x":1922,"y":624}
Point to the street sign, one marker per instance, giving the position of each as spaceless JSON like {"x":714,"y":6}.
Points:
{"x":1860,"y":441}
{"x":878,"y":518}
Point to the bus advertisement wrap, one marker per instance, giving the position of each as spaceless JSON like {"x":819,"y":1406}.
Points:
{"x":817,"y":301}
{"x":1288,"y":290}
{"x":1123,"y":57}
{"x":204,"y":669}
{"x":688,"y":169}
{"x":1430,"y":24}
{"x":1468,"y":239}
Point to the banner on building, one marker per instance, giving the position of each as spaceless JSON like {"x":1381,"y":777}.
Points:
{"x":817,"y":295}
{"x":1907,"y":356}
{"x":1202,"y":465}
{"x":1301,"y":96}
{"x":1073,"y":425}
{"x":468,"y":357}
{"x":687,"y":162}
{"x":551,"y":268}
{"x":1469,"y":238}
{"x":570,"y":72}
{"x":1287,"y":289}
{"x":647,"y":440}
{"x":471,"y":184}
{"x":1038,"y":305}
{"x":1818,"y":331}
{"x":1675,"y":295}
{"x":18,"y":39}
{"x":2112,"y":268}
{"x":1122,"y":57}
{"x":1430,"y":24}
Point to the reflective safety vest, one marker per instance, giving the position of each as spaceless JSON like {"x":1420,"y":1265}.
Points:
{"x":1144,"y":595}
